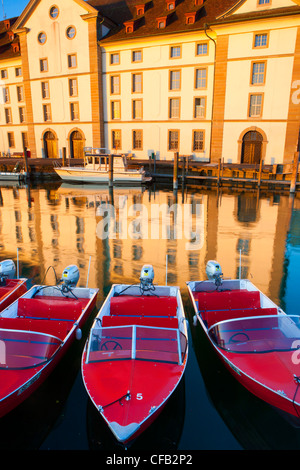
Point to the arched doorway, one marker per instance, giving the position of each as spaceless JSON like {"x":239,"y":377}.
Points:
{"x":50,"y":145}
{"x":76,"y":144}
{"x":252,"y":147}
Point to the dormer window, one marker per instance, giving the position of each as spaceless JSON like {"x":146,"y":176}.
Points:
{"x":7,"y":24}
{"x":10,"y":35}
{"x":129,"y":26}
{"x":171,"y":4}
{"x":198,"y":2}
{"x":140,"y":10}
{"x":190,"y":17}
{"x":15,"y":47}
{"x":161,"y":22}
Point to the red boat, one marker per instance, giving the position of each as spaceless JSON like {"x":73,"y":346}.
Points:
{"x":255,"y":339}
{"x":135,"y":355}
{"x":10,"y":287}
{"x":35,"y":332}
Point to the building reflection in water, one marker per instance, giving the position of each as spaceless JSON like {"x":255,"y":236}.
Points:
{"x":123,"y":229}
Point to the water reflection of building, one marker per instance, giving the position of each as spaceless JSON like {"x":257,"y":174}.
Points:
{"x":61,"y":227}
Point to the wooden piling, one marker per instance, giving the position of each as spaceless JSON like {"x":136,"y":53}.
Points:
{"x":175,"y":171}
{"x":294,"y":173}
{"x":64,"y":156}
{"x":111,"y":170}
{"x":260,"y":172}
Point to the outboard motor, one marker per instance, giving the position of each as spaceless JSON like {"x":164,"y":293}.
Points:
{"x":7,"y":270}
{"x":147,"y":276}
{"x":70,"y":276}
{"x":214,"y":272}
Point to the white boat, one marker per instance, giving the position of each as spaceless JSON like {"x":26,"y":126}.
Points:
{"x":96,"y":170}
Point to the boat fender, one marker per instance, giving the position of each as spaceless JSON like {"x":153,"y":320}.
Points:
{"x":195,"y":320}
{"x":78,"y":334}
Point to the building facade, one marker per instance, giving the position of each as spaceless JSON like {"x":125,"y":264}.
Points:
{"x":209,"y":79}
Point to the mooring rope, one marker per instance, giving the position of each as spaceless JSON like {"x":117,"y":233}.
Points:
{"x":127,"y":395}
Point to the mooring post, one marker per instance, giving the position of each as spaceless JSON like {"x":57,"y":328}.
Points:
{"x":294,"y":173}
{"x":260,"y":172}
{"x":175,"y":171}
{"x":219,"y":171}
{"x":64,"y":156}
{"x":111,"y":170}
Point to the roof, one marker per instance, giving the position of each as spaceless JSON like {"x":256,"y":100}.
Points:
{"x":120,"y":11}
{"x":210,"y":12}
{"x":8,"y":39}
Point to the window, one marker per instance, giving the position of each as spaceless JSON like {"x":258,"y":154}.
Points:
{"x":6,"y":97}
{"x":114,"y":58}
{"x":71,"y":32}
{"x":44,"y":65}
{"x":11,"y":139}
{"x":264,"y":2}
{"x":261,"y":40}
{"x":175,"y":52}
{"x":20,"y":93}
{"x":47,"y":112}
{"x":137,"y":83}
{"x":22,"y":114}
{"x":72,"y":61}
{"x":116,"y":139}
{"x":199,"y":108}
{"x":255,"y":105}
{"x":174,"y":108}
{"x":136,"y":56}
{"x":198,"y":141}
{"x":173,"y":140}
{"x":258,"y":73}
{"x":54,"y":12}
{"x":42,"y":38}
{"x":8,"y":117}
{"x":137,"y":109}
{"x":202,"y":48}
{"x":18,"y":71}
{"x":74,"y":110}
{"x":200,"y":78}
{"x":45,"y":90}
{"x":3,"y":73}
{"x":137,"y":139}
{"x":115,"y":84}
{"x":175,"y":80}
{"x":116,"y":109}
{"x":73,"y":88}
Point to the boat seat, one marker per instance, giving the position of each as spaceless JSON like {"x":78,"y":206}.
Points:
{"x":230,"y":300}
{"x":143,"y":305}
{"x":118,"y":320}
{"x":59,"y":309}
{"x":213,"y":317}
{"x":58,"y":328}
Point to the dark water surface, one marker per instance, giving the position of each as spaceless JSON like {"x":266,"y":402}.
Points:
{"x":110,"y":236}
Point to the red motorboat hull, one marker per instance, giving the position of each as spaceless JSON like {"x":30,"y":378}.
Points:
{"x":269,"y":375}
{"x":13,"y":289}
{"x":150,"y":384}
{"x":17,"y":385}
{"x":135,"y":358}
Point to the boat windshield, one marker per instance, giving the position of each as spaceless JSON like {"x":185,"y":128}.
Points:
{"x":26,"y":349}
{"x":259,"y":334}
{"x":136,"y":342}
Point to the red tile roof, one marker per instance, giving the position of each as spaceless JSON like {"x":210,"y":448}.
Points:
{"x":211,"y":12}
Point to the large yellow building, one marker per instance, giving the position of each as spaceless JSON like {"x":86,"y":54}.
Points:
{"x":212,"y":79}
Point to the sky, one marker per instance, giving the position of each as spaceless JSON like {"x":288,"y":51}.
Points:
{"x":12,"y":8}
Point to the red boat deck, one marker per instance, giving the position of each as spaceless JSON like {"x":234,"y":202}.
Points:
{"x":218,"y":306}
{"x":51,"y":315}
{"x":142,"y":310}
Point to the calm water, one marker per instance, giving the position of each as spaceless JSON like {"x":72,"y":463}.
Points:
{"x":110,"y":236}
